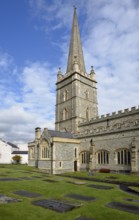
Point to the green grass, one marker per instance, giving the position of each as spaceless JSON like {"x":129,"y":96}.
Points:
{"x":25,"y":210}
{"x":104,"y":176}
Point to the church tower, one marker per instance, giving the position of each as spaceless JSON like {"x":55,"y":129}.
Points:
{"x":76,"y":90}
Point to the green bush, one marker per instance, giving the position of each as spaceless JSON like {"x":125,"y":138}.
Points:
{"x":16,"y":159}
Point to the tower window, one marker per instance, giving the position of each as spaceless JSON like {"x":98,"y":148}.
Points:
{"x":65,"y":95}
{"x":87,"y":113}
{"x":65,"y":114}
{"x":87,"y":94}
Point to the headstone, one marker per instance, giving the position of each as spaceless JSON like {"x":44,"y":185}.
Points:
{"x":5,"y":199}
{"x":124,"y":207}
{"x":80,"y":197}
{"x":100,"y":186}
{"x":27,"y":194}
{"x":55,"y":205}
{"x":9,"y":179}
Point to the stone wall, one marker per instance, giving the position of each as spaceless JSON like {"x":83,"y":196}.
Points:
{"x":82,"y":95}
{"x":64,"y":156}
{"x":111,"y":142}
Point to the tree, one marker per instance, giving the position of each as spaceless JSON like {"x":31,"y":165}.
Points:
{"x":16,"y":159}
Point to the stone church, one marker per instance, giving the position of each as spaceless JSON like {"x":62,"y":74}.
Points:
{"x":83,"y":140}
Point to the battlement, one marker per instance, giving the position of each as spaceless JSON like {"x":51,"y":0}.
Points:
{"x":117,"y":114}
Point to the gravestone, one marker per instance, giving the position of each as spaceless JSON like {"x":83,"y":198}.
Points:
{"x":9,"y":179}
{"x":27,"y":194}
{"x":131,"y":200}
{"x":76,"y":182}
{"x":55,"y":205}
{"x":84,"y":218}
{"x":5,"y":199}
{"x":124,"y":207}
{"x":49,"y":180}
{"x":80,"y":197}
{"x":26,"y":178}
{"x":100,"y":186}
{"x":128,"y":190}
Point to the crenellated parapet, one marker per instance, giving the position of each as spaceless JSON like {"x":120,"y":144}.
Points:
{"x":120,"y":113}
{"x":128,"y":119}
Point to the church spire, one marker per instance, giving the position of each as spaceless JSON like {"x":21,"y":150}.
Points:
{"x":75,"y":49}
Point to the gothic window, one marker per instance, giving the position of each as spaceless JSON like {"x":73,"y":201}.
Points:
{"x":44,"y":150}
{"x":65,"y":114}
{"x":103,"y":157}
{"x":75,"y":152}
{"x":87,"y":113}
{"x":87,"y":94}
{"x":123,"y":157}
{"x":31,"y":153}
{"x":65,"y":95}
{"x":85,"y":156}
{"x":60,"y":164}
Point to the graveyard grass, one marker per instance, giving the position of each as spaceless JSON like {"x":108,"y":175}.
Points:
{"x":57,"y":191}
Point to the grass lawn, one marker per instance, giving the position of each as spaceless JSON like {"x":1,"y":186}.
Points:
{"x":104,"y":176}
{"x":96,"y":209}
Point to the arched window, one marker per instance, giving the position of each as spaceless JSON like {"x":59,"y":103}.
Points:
{"x":44,"y":149}
{"x":123,"y":157}
{"x":75,"y":152}
{"x":87,"y":94}
{"x":65,"y":114}
{"x":85,"y":157}
{"x":31,"y":153}
{"x":65,"y":95}
{"x":102,"y":157}
{"x":87,"y":113}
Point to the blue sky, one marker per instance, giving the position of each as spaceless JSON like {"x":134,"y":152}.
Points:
{"x":34,"y":41}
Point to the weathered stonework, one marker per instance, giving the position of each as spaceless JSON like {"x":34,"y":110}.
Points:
{"x":80,"y":99}
{"x":61,"y":147}
{"x":108,"y":141}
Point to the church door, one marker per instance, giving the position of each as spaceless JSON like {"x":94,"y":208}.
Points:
{"x":75,"y":165}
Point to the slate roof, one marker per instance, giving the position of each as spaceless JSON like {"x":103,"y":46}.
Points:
{"x":19,"y":152}
{"x":54,"y":133}
{"x":12,"y":145}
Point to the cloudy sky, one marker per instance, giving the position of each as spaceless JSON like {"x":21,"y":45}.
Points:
{"x":34,"y":41}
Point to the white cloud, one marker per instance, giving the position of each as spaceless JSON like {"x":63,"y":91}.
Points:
{"x":5,"y":61}
{"x":30,"y":106}
{"x":110,"y":40}
{"x":112,"y":47}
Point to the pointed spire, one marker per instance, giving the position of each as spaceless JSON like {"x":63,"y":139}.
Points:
{"x":75,"y":49}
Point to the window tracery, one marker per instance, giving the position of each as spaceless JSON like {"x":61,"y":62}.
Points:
{"x":44,"y":150}
{"x":123,"y":157}
{"x":102,"y":157}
